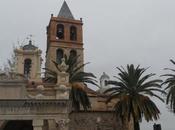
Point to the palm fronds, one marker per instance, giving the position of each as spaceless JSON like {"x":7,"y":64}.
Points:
{"x":133,"y":90}
{"x":170,"y":87}
{"x":77,"y":78}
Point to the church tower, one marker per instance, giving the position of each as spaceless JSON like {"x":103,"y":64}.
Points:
{"x":28,"y":61}
{"x":64,"y":37}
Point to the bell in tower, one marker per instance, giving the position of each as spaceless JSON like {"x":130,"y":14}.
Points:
{"x":64,"y":37}
{"x":60,"y":31}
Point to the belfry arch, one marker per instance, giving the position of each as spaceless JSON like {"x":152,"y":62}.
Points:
{"x":73,"y":33}
{"x":59,"y":55}
{"x":27,"y":67}
{"x":60,"y":31}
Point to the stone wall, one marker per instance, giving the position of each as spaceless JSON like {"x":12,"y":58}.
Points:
{"x":94,"y":121}
{"x":12,"y":86}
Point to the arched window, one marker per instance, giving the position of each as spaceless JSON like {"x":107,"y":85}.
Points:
{"x":27,"y":67}
{"x":59,"y":56}
{"x":60,"y":31}
{"x":73,"y":55}
{"x":73,"y":33}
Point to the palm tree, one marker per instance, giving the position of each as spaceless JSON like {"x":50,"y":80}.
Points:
{"x":133,"y":91}
{"x":77,"y":79}
{"x":170,"y":88}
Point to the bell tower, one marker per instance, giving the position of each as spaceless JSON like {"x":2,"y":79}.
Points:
{"x":64,"y":37}
{"x":28,"y":61}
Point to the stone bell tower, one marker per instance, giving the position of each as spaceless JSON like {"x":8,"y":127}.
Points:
{"x":28,"y":61}
{"x":64,"y":37}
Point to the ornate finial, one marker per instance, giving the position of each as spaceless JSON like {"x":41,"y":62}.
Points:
{"x":30,"y":42}
{"x":7,"y":71}
{"x":62,"y":124}
{"x":30,"y":38}
{"x":40,"y":88}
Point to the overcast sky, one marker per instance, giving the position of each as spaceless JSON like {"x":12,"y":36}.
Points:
{"x":116,"y":32}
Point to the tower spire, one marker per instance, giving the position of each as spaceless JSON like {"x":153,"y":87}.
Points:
{"x":65,"y":11}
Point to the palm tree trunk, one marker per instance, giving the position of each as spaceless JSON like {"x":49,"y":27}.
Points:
{"x":136,"y":125}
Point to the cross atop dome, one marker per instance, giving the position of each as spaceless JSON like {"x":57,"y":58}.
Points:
{"x":65,"y":11}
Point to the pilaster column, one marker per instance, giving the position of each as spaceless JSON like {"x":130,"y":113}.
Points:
{"x":38,"y":124}
{"x":52,"y":125}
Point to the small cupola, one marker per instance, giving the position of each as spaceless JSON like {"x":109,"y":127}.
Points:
{"x":29,"y":46}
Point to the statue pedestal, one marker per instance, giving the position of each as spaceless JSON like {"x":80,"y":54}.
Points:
{"x":62,"y":92}
{"x":62,"y":87}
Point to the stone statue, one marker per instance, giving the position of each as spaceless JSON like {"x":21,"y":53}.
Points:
{"x":62,"y":89}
